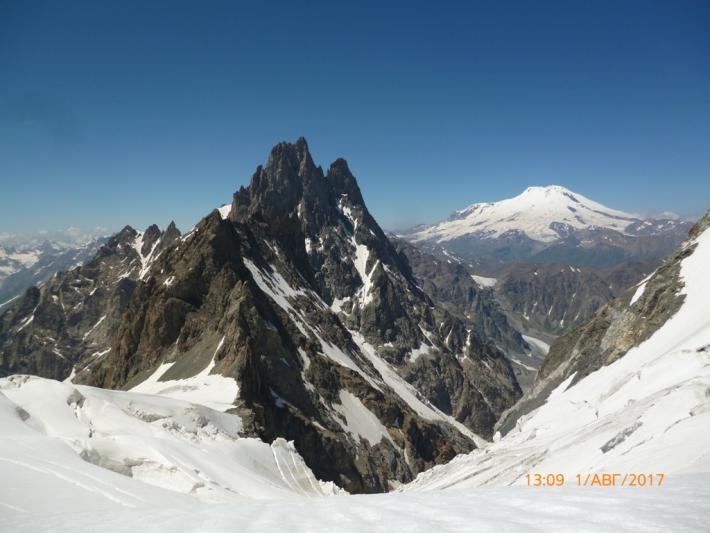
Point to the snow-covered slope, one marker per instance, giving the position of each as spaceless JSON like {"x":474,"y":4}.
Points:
{"x":682,"y":506}
{"x":212,"y":390}
{"x":647,"y":412}
{"x":75,"y":458}
{"x":183,"y":468}
{"x":66,"y":447}
{"x":535,"y":212}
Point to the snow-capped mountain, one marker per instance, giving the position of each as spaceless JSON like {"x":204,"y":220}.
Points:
{"x":296,"y":297}
{"x":12,"y":260}
{"x":552,"y":224}
{"x":625,"y":392}
{"x":542,"y":213}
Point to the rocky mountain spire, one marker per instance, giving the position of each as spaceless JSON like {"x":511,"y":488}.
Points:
{"x":300,"y":300}
{"x":277,"y":188}
{"x":326,"y":231}
{"x":343,"y":182}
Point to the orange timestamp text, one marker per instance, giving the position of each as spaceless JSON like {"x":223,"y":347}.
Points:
{"x":597,"y":479}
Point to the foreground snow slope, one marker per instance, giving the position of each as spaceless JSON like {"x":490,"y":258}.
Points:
{"x":647,"y":412}
{"x":66,"y":448}
{"x":682,"y":506}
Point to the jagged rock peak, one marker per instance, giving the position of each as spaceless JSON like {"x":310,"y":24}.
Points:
{"x":150,"y":237}
{"x":277,"y":187}
{"x":289,"y":183}
{"x":296,"y":155}
{"x":127,"y":231}
{"x":343,"y":181}
{"x":172,"y":232}
{"x":127,"y":234}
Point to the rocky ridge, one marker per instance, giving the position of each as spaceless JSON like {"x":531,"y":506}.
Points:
{"x":549,"y":299}
{"x":451,"y":283}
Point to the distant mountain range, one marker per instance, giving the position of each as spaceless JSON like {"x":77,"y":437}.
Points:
{"x":31,"y":263}
{"x":551,"y":224}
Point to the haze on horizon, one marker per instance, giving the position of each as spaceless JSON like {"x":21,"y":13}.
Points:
{"x":144,"y":113}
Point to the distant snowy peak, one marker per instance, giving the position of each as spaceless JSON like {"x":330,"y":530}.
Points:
{"x":543,"y":214}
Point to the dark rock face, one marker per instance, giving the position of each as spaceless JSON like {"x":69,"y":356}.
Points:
{"x":451,"y":283}
{"x":491,"y":254}
{"x":611,"y":332}
{"x":322,"y":224}
{"x":318,"y":315}
{"x":605,"y":248}
{"x":549,"y":299}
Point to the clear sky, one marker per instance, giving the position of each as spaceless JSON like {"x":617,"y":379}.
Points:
{"x":139,"y":112}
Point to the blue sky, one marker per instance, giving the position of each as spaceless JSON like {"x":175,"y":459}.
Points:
{"x":142,"y":112}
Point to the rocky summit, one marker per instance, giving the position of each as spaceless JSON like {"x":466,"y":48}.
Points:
{"x":291,"y":308}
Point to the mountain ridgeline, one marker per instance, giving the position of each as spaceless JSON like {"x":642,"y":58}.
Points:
{"x":295,"y":294}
